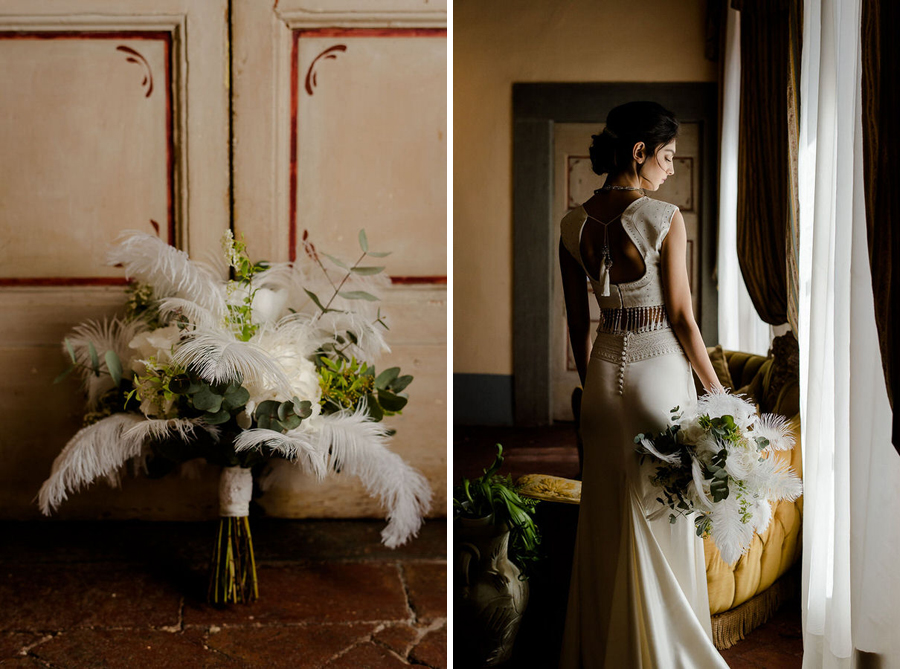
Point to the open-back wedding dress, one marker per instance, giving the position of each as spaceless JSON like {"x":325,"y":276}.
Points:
{"x":638,"y":596}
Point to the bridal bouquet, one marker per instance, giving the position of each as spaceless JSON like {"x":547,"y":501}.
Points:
{"x":717,"y":460}
{"x":273,"y":363}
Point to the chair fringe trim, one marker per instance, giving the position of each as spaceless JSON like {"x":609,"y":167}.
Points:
{"x":732,"y":626}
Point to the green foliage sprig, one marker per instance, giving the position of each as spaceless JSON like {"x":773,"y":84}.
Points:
{"x":346,"y":384}
{"x":494,"y":494}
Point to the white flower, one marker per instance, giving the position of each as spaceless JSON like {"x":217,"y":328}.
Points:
{"x":154,"y":343}
{"x":268,"y":305}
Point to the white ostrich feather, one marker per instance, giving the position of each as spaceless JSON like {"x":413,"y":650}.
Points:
{"x":168,"y":270}
{"x":163,"y":428}
{"x":199,"y":315}
{"x":110,"y":335}
{"x":774,"y":480}
{"x":303,"y":447}
{"x":218,"y":357}
{"x":762,"y":515}
{"x":354,"y":444}
{"x":703,"y":497}
{"x":358,"y":448}
{"x":724,"y":403}
{"x":732,"y":537}
{"x":775,"y":428}
{"x":370,"y":338}
{"x":672,"y":459}
{"x":98,"y":450}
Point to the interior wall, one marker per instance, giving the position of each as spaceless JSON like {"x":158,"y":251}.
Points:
{"x":496,"y":44}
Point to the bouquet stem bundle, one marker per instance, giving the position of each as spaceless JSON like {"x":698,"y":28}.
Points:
{"x":232,"y":570}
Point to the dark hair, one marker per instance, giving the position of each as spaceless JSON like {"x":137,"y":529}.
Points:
{"x":632,"y":122}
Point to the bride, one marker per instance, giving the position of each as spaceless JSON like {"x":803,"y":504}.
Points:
{"x":638,"y":594}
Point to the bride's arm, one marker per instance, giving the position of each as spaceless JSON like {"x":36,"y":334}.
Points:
{"x":578,"y":313}
{"x":677,"y":294}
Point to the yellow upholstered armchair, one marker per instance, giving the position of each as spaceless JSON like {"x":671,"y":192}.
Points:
{"x":746,"y":594}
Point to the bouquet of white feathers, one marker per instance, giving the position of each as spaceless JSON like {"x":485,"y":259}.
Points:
{"x":716,"y":459}
{"x":275,"y":362}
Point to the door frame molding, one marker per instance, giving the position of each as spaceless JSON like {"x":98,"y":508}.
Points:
{"x":536,"y":107}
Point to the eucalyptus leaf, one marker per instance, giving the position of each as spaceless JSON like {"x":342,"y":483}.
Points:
{"x":95,"y":361}
{"x":367,"y":271}
{"x":236,"y":398}
{"x":114,"y":365}
{"x":400,"y":383}
{"x":64,"y":374}
{"x":386,"y":377}
{"x":363,"y":241}
{"x":336,"y":261}
{"x":315,"y":298}
{"x":357,"y":295}
{"x":290,"y":422}
{"x":206,"y":400}
{"x":285,"y":409}
{"x":391,"y":402}
{"x":71,"y":350}
{"x":379,"y":254}
{"x":373,"y":408}
{"x":217,"y":418}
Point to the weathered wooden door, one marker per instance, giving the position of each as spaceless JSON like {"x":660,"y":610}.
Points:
{"x":186,"y":117}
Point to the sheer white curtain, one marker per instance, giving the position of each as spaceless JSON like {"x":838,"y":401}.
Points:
{"x":851,"y":538}
{"x":740,"y":327}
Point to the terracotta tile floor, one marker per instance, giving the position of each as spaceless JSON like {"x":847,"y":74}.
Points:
{"x":131,"y":594}
{"x":551,"y":450}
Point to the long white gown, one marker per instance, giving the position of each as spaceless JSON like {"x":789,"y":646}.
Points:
{"x":638,"y":596}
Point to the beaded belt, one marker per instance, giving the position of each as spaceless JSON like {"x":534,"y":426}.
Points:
{"x":633,"y":319}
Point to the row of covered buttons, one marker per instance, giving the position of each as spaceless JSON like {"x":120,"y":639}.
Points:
{"x":624,"y":359}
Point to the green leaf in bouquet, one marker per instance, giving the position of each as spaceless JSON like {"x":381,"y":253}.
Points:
{"x":400,"y":383}
{"x":217,"y":418}
{"x":220,"y":387}
{"x":285,"y":409}
{"x":379,"y":254}
{"x":761,"y":443}
{"x":315,"y":298}
{"x":267,"y":415}
{"x":357,"y":295}
{"x":235,"y":398}
{"x":206,"y":400}
{"x":64,"y":374}
{"x":95,"y":361}
{"x":386,"y":377}
{"x":71,"y":350}
{"x":672,"y":518}
{"x":337,"y":261}
{"x":373,"y":408}
{"x":114,"y":365}
{"x":363,"y":241}
{"x":352,"y":337}
{"x":391,"y":402}
{"x":367,"y":271}
{"x":290,"y":422}
{"x":302,"y":408}
{"x":718,"y":487}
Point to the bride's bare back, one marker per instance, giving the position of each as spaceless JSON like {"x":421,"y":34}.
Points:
{"x":628,"y":264}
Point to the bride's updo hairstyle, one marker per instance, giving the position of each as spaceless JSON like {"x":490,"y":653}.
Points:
{"x":626,"y":125}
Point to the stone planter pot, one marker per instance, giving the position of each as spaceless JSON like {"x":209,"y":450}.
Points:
{"x":490,"y":597}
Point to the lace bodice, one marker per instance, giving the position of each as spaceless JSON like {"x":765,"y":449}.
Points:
{"x":646,"y":222}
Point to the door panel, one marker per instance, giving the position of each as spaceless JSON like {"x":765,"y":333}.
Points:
{"x":340,"y":124}
{"x":101,"y":130}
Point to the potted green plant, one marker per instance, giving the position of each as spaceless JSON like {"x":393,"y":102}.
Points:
{"x":497,"y":546}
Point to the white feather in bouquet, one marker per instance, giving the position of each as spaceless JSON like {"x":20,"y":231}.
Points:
{"x":717,"y":460}
{"x":277,"y":361}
